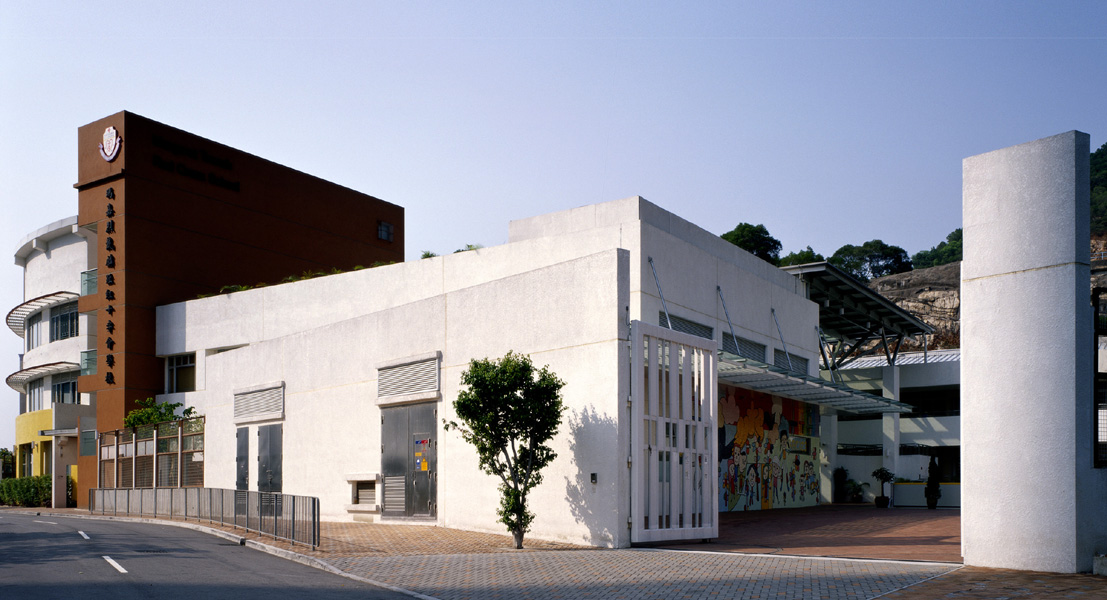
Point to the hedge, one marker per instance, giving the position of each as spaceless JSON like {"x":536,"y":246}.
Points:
{"x":26,"y":491}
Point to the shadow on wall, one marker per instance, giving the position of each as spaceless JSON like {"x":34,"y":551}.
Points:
{"x":589,"y":501}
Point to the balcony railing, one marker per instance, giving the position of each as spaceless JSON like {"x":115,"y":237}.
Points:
{"x":88,"y":282}
{"x":88,"y":362}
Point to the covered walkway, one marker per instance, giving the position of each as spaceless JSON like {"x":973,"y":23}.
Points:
{"x":841,"y":530}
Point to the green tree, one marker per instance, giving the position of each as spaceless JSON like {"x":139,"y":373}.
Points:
{"x":509,"y":412}
{"x":428,"y":254}
{"x":872,"y":259}
{"x":945,"y":252}
{"x":1099,"y":191}
{"x":469,"y":247}
{"x":150,"y":412}
{"x":801,"y":258}
{"x":7,"y":464}
{"x":756,"y":240}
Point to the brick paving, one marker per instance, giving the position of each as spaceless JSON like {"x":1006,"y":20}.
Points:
{"x":754,"y":558}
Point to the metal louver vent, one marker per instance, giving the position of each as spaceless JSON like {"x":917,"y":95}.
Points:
{"x":744,"y":348}
{"x":686,"y":326}
{"x":798,"y":365}
{"x":411,"y":378}
{"x":394,"y":501}
{"x":266,"y":403}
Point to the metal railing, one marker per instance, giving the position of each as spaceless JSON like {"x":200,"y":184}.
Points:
{"x":286,"y":517}
{"x":88,"y":282}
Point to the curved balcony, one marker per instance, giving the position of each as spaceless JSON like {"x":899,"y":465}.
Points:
{"x":17,"y":317}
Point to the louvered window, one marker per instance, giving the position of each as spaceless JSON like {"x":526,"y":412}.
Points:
{"x":686,"y":326}
{"x":259,"y":404}
{"x":797,"y":365}
{"x":411,"y":378}
{"x":744,"y":348}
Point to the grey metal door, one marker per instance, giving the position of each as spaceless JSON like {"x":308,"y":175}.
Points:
{"x":269,"y":458}
{"x":409,"y":461}
{"x":242,"y":459}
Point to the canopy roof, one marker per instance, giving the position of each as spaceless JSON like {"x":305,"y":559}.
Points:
{"x":18,"y":380}
{"x":761,"y":377}
{"x":17,"y":318}
{"x":849,"y":310}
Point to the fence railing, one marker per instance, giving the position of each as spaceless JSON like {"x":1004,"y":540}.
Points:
{"x":291,"y":518}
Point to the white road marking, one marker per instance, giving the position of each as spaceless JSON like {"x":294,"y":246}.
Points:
{"x":47,"y":522}
{"x":83,"y":534}
{"x":114,"y":564}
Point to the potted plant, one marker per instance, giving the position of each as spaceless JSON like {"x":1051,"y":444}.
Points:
{"x":884,"y":476}
{"x":933,"y":489}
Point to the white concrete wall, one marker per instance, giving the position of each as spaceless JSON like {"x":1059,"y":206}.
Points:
{"x":57,"y":265}
{"x":560,"y":293}
{"x":332,"y":424}
{"x":1030,"y":497}
{"x":930,"y":431}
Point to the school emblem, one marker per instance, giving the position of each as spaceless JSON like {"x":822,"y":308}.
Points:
{"x":109,"y":148}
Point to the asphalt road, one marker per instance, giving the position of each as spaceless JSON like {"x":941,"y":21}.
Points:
{"x":65,"y":558}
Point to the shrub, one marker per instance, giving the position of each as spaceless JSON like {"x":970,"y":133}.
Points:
{"x":26,"y":491}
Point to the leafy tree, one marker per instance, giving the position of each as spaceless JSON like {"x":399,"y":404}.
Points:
{"x":7,"y":464}
{"x":872,"y":259}
{"x":428,"y":254}
{"x":150,"y":412}
{"x":945,"y":252}
{"x":469,"y":247}
{"x":1099,"y":190}
{"x":801,"y":258}
{"x":509,"y":412}
{"x":756,"y":240}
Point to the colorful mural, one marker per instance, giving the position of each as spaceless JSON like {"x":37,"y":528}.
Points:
{"x":768,"y":451}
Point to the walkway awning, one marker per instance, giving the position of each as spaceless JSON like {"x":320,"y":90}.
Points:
{"x":18,"y":380}
{"x":848,"y":309}
{"x":18,"y":315}
{"x":761,"y":377}
{"x":71,"y":432}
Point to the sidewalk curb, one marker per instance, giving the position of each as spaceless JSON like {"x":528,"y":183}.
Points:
{"x":325,"y":566}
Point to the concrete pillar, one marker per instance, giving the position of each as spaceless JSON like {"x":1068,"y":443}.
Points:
{"x":1030,"y":497}
{"x":828,"y":440}
{"x":889,"y":383}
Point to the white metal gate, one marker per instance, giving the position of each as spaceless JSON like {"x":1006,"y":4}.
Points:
{"x":674,"y":446}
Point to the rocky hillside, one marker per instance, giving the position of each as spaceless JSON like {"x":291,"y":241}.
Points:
{"x":933,"y":295}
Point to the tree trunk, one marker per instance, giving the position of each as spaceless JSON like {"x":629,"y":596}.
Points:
{"x":518,"y":534}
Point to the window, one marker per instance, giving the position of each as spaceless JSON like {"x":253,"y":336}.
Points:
{"x":182,"y":373}
{"x":790,"y":361}
{"x":63,"y":388}
{"x":33,"y":330}
{"x":88,"y":443}
{"x":34,"y":395}
{"x":63,"y":322}
{"x":384,"y":231}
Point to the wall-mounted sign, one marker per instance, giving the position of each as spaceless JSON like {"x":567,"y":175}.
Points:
{"x":109,"y":148}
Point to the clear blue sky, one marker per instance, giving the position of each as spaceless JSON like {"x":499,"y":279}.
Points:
{"x":828,"y":122}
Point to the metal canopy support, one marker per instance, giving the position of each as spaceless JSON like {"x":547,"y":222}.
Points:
{"x":719,"y":289}
{"x":826,"y":359}
{"x":668,"y":321}
{"x":787,"y":354}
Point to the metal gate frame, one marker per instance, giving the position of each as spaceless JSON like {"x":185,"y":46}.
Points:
{"x":688,"y":364}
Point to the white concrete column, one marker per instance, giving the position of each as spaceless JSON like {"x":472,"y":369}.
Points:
{"x":828,"y":441}
{"x":1030,"y":497}
{"x":889,"y":383}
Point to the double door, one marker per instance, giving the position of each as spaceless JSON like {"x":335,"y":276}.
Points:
{"x":409,"y":460}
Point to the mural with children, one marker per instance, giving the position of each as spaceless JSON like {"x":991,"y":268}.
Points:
{"x":768,"y":451}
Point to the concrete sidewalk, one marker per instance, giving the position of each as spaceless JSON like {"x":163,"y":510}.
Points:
{"x":435,"y":562}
